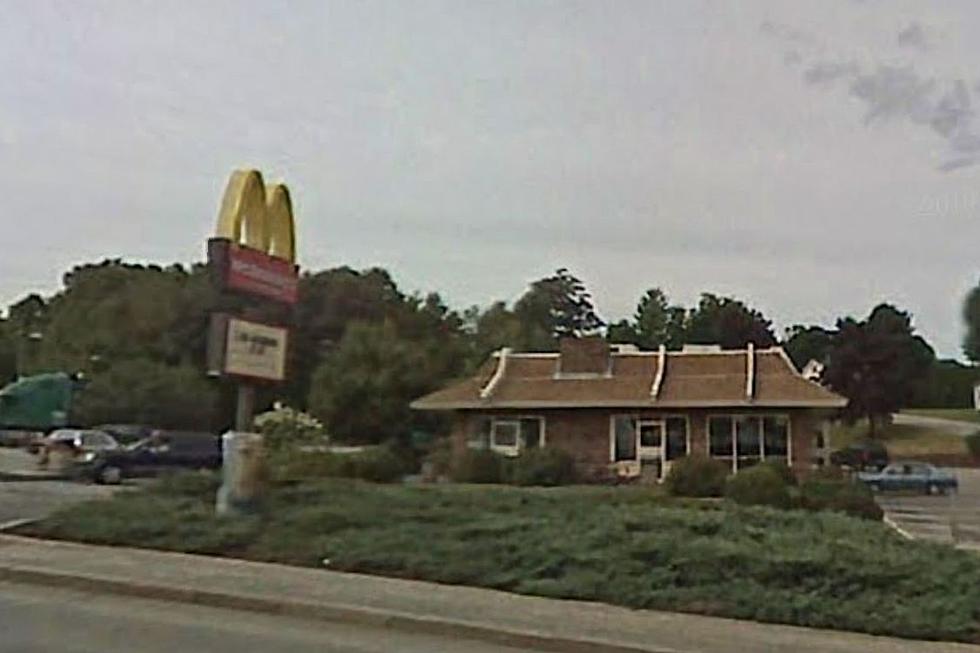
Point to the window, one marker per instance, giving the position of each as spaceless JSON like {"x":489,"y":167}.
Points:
{"x":651,"y":435}
{"x":748,"y":440}
{"x":507,"y":436}
{"x":776,"y":436}
{"x":676,"y":437}
{"x":721,"y":443}
{"x":624,"y":438}
{"x":531,"y":432}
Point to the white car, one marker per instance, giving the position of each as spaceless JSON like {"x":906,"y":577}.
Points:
{"x":84,"y":443}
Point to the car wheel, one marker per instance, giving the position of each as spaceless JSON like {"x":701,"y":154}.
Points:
{"x":932,"y":489}
{"x":875,"y":487}
{"x":110,"y":475}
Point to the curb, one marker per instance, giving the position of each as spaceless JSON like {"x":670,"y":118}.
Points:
{"x":11,"y":477}
{"x":342,"y":613}
{"x":15,"y":523}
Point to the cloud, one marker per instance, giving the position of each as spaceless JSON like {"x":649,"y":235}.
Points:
{"x":913,"y":36}
{"x":899,"y":92}
{"x":827,"y":71}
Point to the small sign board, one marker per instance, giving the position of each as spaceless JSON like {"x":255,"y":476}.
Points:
{"x":246,"y":349}
{"x":976,"y":396}
{"x":243,"y":269}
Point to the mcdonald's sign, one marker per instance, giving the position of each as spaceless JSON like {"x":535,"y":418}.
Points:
{"x":254,"y":249}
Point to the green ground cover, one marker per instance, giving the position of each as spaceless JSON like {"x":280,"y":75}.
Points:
{"x":902,"y":440}
{"x":955,"y":414}
{"x":625,"y":546}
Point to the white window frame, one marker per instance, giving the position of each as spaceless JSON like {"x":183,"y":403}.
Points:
{"x":734,"y":417}
{"x":515,"y":450}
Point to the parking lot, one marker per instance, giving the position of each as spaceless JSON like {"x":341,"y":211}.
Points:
{"x":33,"y":499}
{"x":951,"y":519}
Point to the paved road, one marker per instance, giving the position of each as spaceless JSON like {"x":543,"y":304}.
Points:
{"x":937,"y":423}
{"x":38,"y":620}
{"x":951,"y":519}
{"x":36,"y":499}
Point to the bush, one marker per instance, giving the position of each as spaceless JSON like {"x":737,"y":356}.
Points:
{"x":828,"y":473}
{"x":758,"y":486}
{"x":696,"y":476}
{"x":284,"y":427}
{"x":973,"y":444}
{"x":377,"y":464}
{"x":548,"y":466}
{"x":843,"y":495}
{"x":477,"y":466}
{"x":782,"y":469}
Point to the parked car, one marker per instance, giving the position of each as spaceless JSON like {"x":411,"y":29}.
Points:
{"x":161,"y":452}
{"x":868,"y":454}
{"x":918,"y":477}
{"x":127,"y":433}
{"x":78,"y":445}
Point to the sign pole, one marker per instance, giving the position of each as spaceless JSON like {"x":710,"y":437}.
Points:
{"x":253,"y":253}
{"x":244,"y":407}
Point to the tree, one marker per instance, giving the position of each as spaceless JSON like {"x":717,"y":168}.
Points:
{"x":658,"y":323}
{"x":876,"y":363}
{"x":363,"y":388}
{"x":947,"y":384}
{"x":147,"y":392}
{"x":652,"y":319}
{"x":624,"y":332}
{"x":559,"y":306}
{"x":329,"y":301}
{"x":727,"y":322}
{"x":806,"y":343}
{"x":491,"y":329}
{"x":8,"y":353}
{"x":971,"y":315}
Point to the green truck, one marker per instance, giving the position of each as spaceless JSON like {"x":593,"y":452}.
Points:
{"x":37,"y":403}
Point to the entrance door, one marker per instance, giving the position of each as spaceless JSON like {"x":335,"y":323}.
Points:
{"x":650,"y":440}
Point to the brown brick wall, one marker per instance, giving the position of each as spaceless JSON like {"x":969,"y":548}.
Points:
{"x":585,"y":432}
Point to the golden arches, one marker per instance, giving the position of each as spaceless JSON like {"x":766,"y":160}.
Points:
{"x":258,"y":216}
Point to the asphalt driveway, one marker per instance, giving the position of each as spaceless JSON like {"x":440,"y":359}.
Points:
{"x":34,"y":499}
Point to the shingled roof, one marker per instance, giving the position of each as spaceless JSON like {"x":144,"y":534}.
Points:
{"x":695,"y":377}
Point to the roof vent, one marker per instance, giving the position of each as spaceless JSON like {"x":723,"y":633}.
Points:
{"x":701,"y":349}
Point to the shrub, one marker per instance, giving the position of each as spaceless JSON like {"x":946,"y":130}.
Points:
{"x":782,"y":469}
{"x":973,"y":444}
{"x":696,"y":476}
{"x":477,"y":466}
{"x":828,"y":473}
{"x":843,"y":495}
{"x":758,"y":486}
{"x":548,"y":466}
{"x":377,"y":464}
{"x":284,"y":427}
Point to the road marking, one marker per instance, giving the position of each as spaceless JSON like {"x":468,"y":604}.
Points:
{"x":898,"y":529}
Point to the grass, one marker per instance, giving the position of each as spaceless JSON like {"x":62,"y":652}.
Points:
{"x":902,"y":440}
{"x":625,"y":546}
{"x":955,"y":414}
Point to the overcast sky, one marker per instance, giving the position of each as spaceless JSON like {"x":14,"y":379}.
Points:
{"x":811,"y":158}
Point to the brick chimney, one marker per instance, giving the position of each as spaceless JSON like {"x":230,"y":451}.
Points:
{"x":587,"y":355}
